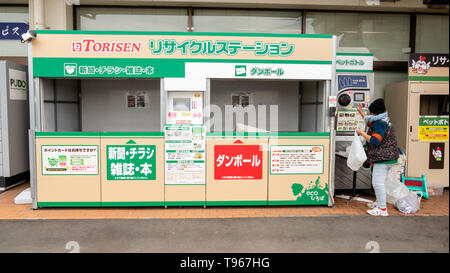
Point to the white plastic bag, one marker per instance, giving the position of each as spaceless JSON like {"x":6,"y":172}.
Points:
{"x":357,"y":155}
{"x":409,"y":204}
{"x":395,"y":189}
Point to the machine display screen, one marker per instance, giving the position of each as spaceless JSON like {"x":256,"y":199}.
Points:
{"x":182,"y":104}
{"x":358,"y":97}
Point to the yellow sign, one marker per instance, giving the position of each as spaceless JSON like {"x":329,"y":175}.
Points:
{"x":435,"y":133}
{"x":433,"y":128}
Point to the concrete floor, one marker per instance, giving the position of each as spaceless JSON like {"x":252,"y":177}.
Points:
{"x":277,"y":235}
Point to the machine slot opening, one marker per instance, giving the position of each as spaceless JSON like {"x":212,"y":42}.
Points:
{"x":434,"y":105}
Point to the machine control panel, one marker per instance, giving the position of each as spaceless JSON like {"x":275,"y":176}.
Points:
{"x":351,"y":99}
{"x":353,"y":90}
{"x":349,"y":121}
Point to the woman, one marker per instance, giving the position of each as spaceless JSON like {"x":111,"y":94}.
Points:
{"x":382,"y":151}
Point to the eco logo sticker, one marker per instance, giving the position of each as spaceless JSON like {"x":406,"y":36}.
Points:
{"x":312,"y":194}
{"x":70,"y":69}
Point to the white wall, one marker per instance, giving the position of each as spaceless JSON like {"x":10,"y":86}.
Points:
{"x":104,"y":105}
{"x":67,"y":109}
{"x":281,"y":93}
{"x":311,"y":106}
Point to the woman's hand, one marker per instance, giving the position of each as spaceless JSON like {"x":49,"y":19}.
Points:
{"x":362,"y":133}
{"x":360,"y":110}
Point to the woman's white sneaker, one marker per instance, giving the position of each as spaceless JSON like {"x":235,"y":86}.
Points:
{"x":378,"y":212}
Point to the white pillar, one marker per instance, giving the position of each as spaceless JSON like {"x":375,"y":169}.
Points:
{"x":39,"y":14}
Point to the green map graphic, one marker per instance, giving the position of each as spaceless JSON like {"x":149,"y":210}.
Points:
{"x":312,"y":194}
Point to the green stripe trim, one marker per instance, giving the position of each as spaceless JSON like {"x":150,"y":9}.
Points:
{"x":237,"y":203}
{"x":234,"y":134}
{"x":68,"y":204}
{"x":133,"y":204}
{"x":269,"y":134}
{"x":145,"y":61}
{"x":301,"y":134}
{"x":127,"y":134}
{"x":254,"y":61}
{"x":354,"y":54}
{"x":350,"y":70}
{"x":185,"y":203}
{"x":427,"y":78}
{"x":71,"y":32}
{"x":262,"y":138}
{"x":64,"y":137}
{"x":186,"y":151}
{"x":388,"y":162}
{"x":161,"y":134}
{"x":184,"y":184}
{"x":295,"y":203}
{"x":38,"y":134}
{"x":132,"y":134}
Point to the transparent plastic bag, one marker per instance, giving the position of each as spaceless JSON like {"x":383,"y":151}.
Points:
{"x":395,"y":189}
{"x":357,"y":155}
{"x":409,"y":204}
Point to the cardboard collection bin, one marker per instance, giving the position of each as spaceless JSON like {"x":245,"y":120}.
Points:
{"x":236,"y":170}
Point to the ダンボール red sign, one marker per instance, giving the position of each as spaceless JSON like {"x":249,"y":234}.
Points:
{"x":238,"y":162}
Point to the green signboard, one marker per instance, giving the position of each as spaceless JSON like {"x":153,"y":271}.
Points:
{"x":434,"y":120}
{"x":108,"y":67}
{"x":131,"y":162}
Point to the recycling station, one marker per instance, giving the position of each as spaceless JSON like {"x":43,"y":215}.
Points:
{"x":181,"y":119}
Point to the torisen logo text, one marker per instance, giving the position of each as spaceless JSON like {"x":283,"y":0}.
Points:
{"x":90,"y":45}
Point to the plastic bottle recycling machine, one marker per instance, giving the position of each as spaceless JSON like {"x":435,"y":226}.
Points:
{"x":352,"y":89}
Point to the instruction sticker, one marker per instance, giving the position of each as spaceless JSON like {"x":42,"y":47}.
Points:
{"x":296,"y":159}
{"x":349,"y":121}
{"x":70,"y":160}
{"x":433,"y":128}
{"x":185,"y":154}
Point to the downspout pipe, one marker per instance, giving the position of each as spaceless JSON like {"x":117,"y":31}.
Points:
{"x":39,"y":14}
